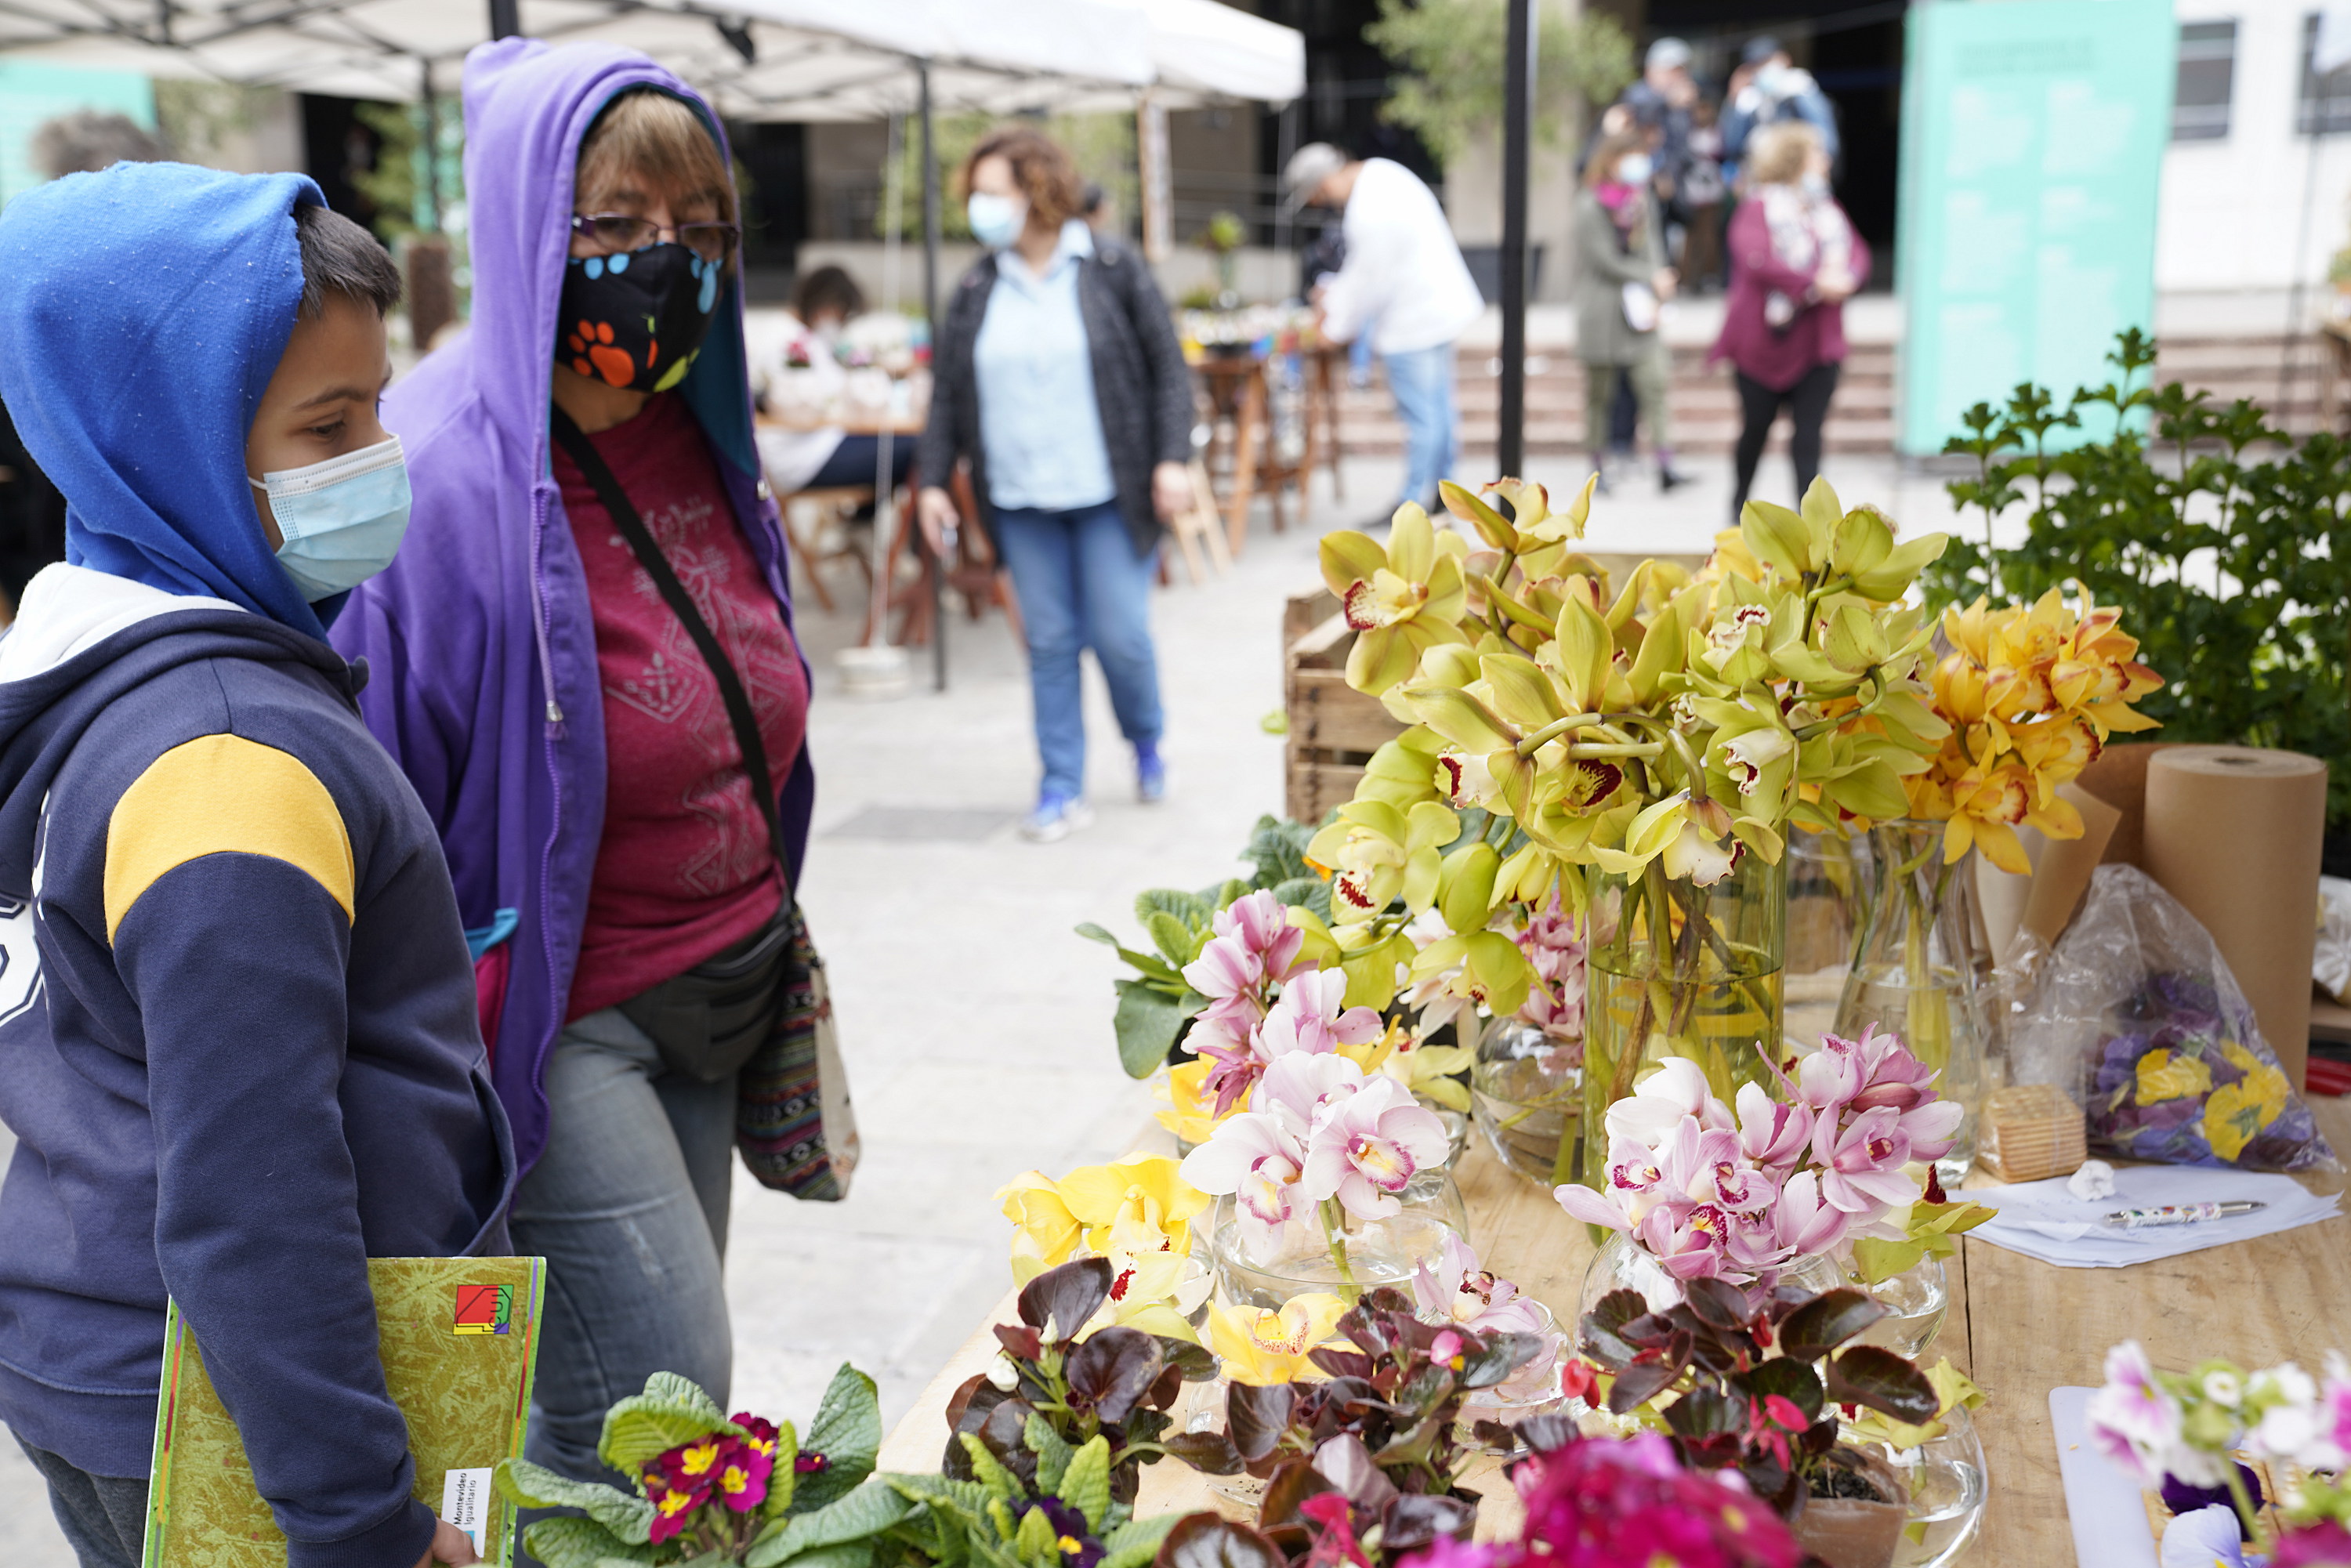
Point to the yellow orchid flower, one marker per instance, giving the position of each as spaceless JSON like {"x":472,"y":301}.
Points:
{"x":1400,"y":601}
{"x":1262,"y":1348}
{"x":1190,"y":1113}
{"x":1427,"y":1069}
{"x":1137,"y":1205}
{"x":1044,"y":1230}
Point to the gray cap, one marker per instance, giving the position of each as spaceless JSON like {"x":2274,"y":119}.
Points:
{"x":1668,"y":54}
{"x":1307,"y":169}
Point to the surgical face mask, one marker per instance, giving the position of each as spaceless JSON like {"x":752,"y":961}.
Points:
{"x":995,"y":220}
{"x":636,"y":320}
{"x":341,"y":519}
{"x":1813,"y":184}
{"x":1775,"y":80}
{"x":1634,"y":169}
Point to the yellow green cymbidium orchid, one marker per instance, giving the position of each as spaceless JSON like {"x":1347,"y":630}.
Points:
{"x":1378,"y":854}
{"x":1428,"y":1071}
{"x":1137,"y":1205}
{"x":1262,"y":1347}
{"x":1401,"y":600}
{"x":1369,"y":953}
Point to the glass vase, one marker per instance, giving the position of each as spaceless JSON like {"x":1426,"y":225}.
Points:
{"x":1918,"y":970}
{"x":1828,"y":906}
{"x":1915,"y":1302}
{"x":1526,"y":1089}
{"x":1676,"y":969}
{"x":1947,"y":1482}
{"x":1307,"y":1256}
{"x":1622,"y":1264}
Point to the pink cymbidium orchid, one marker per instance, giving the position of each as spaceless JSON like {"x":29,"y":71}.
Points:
{"x":1367,"y":1145}
{"x":1659,"y":1103}
{"x":1772,"y":1135}
{"x":1451,"y":1288}
{"x":1312,"y":1016}
{"x":1257,"y":1160}
{"x":1255,"y":946}
{"x":1861,"y":1162}
{"x":1553,"y":942}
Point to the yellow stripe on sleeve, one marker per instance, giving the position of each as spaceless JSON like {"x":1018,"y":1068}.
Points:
{"x":222,"y":794}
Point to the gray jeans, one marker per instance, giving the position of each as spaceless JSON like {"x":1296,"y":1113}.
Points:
{"x":628,"y":1206}
{"x":104,"y":1517}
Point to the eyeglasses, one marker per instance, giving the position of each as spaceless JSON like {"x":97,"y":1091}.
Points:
{"x":612,"y":232}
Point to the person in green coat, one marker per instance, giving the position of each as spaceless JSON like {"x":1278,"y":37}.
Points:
{"x":1621,"y":280}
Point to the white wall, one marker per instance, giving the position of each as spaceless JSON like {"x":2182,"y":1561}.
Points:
{"x":2232,"y":207}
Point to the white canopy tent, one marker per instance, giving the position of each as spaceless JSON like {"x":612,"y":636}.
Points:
{"x":799,"y":59}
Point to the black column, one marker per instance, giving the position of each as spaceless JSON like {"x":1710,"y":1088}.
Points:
{"x":931,"y":319}
{"x":1518,"y":109}
{"x":505,"y":18}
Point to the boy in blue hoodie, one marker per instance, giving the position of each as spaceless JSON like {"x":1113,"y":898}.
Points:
{"x":238,"y":1042}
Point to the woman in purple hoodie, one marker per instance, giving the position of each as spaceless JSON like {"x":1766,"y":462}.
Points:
{"x":575,"y":747}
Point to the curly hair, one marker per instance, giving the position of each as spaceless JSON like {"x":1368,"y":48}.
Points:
{"x":1778,"y":154}
{"x":1041,"y":167}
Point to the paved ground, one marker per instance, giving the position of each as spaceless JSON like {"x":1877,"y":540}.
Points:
{"x":976,"y":1025}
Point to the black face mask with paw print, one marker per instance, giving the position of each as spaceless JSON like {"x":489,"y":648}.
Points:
{"x":636,"y":320}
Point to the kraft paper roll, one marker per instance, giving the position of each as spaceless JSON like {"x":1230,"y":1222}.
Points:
{"x":2233,"y":833}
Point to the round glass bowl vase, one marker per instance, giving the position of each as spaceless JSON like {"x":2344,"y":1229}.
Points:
{"x":1527,"y":1091}
{"x":1301,"y":1258}
{"x":1947,"y":1485}
{"x":1915,"y":1302}
{"x":1622,"y":1264}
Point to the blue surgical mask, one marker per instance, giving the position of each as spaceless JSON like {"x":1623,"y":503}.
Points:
{"x":1634,"y":169}
{"x":995,"y":220}
{"x":341,"y":519}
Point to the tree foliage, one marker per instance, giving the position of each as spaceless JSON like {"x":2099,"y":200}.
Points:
{"x":1451,"y":54}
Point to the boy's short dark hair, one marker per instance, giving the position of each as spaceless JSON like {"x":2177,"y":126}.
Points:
{"x":340,"y":257}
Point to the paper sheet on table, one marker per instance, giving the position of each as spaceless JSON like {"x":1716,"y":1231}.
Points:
{"x":2041,"y":1219}
{"x":2102,"y":1504}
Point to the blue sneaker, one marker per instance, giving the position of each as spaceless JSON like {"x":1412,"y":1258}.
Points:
{"x":1150,"y":773}
{"x":1056,"y":818}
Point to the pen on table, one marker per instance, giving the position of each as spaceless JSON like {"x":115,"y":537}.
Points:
{"x":2182,"y":1213}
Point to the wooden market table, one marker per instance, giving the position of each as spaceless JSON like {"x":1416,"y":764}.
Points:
{"x":2017,"y":1326}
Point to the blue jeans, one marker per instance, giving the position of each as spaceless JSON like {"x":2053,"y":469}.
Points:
{"x":1081,"y":584}
{"x":1422,"y":381}
{"x":628,"y":1206}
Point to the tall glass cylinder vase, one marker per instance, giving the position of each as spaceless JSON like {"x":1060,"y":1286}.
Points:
{"x":1917,"y":973}
{"x":1676,"y":969}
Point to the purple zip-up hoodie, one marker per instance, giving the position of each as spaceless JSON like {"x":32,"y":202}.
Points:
{"x":479,"y":638}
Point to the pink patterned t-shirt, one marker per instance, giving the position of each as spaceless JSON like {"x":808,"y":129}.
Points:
{"x":684,"y":868}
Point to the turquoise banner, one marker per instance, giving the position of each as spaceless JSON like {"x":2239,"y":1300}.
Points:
{"x":2033,"y":141}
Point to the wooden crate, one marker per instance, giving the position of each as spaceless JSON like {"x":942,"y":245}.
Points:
{"x":1334,"y":728}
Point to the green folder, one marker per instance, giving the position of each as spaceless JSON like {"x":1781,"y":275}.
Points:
{"x":458,"y":1336}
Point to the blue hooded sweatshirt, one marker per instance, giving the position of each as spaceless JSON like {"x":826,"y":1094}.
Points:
{"x":237,"y":1039}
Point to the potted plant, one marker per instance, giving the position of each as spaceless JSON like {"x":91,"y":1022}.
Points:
{"x":1756,"y":1387}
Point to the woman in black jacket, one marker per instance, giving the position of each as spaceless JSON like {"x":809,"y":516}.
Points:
{"x":1058,"y":377}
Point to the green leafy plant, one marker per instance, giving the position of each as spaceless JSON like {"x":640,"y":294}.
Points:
{"x":1060,"y":1515}
{"x":1735,"y":1403}
{"x":713,"y":1490}
{"x":1051,"y":1394}
{"x":2224,"y":542}
{"x":1155,"y":1004}
{"x":1451,"y":52}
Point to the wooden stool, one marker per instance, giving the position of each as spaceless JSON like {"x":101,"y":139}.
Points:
{"x":1198,"y":525}
{"x":834,"y":503}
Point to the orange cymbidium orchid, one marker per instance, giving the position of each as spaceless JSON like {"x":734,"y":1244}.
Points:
{"x":2032,"y":693}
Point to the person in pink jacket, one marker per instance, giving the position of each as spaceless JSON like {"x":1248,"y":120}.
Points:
{"x":1794,"y":261}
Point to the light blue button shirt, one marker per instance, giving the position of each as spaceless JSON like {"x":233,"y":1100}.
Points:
{"x":1038,"y":423}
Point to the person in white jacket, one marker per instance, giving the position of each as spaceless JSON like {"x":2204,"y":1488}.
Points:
{"x":1402,"y":282}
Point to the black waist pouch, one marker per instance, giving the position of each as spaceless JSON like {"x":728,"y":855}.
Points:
{"x":711,"y":1020}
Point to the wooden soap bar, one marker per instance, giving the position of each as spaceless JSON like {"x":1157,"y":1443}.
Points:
{"x":2031,"y":1131}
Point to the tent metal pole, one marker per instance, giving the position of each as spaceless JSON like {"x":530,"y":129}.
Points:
{"x":505,"y":18}
{"x":431,"y":106}
{"x":1518,"y":107}
{"x":931,"y":221}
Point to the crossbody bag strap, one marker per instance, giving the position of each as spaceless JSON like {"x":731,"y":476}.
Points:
{"x":649,"y":555}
